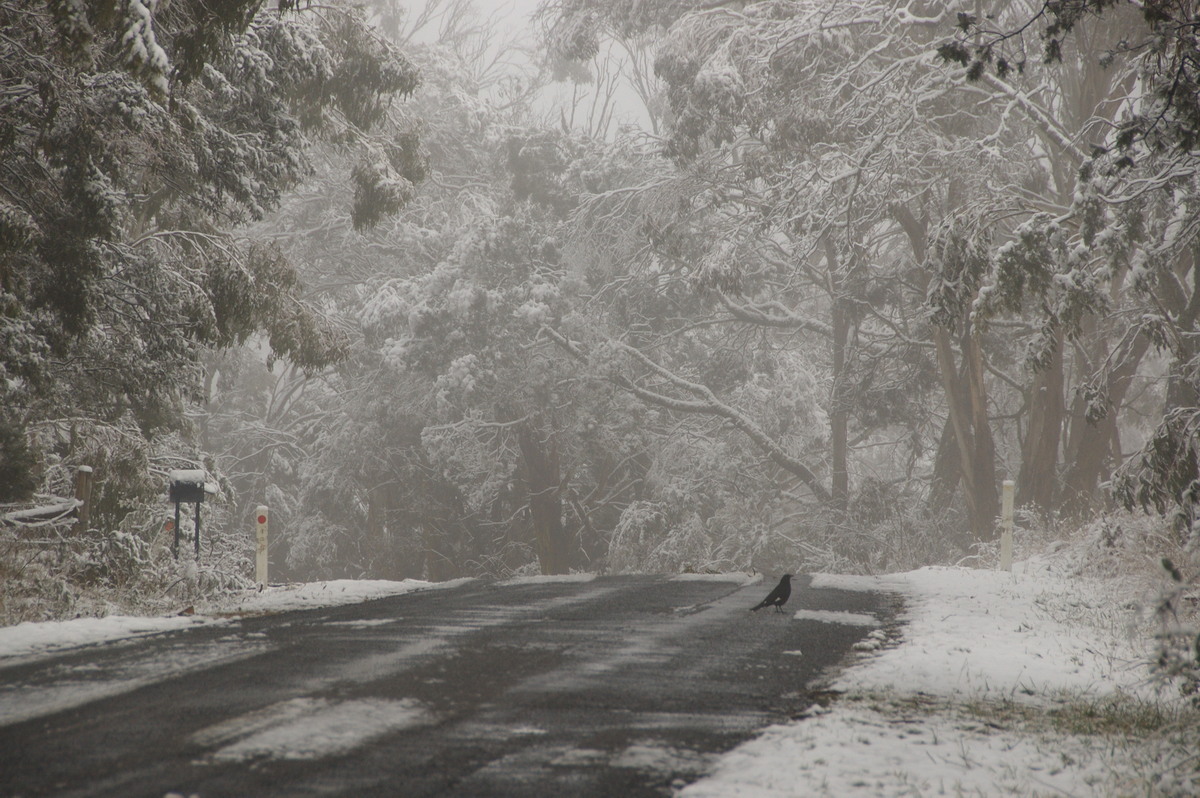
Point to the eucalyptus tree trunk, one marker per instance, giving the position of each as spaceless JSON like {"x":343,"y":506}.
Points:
{"x":1037,"y":482}
{"x":1093,"y":442}
{"x":839,"y":414}
{"x":540,"y":464}
{"x":947,"y":471}
{"x":966,"y":398}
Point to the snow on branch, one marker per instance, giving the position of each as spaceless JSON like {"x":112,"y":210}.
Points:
{"x":143,"y":53}
{"x":45,"y":515}
{"x":705,"y":402}
{"x":773,"y":314}
{"x":1040,"y":117}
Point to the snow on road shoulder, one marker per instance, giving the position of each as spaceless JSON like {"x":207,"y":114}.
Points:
{"x":544,"y":579}
{"x":35,"y":639}
{"x":992,"y":634}
{"x":866,"y":748}
{"x":46,"y":637}
{"x":837,"y":616}
{"x":961,"y":703}
{"x":737,"y":577}
{"x":309,"y":595}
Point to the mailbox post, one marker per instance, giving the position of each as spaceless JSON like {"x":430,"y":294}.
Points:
{"x":187,"y":486}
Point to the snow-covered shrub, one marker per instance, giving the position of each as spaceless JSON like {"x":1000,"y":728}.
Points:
{"x":18,"y":463}
{"x":312,"y":546}
{"x":48,"y":573}
{"x":112,"y":559}
{"x":659,"y":538}
{"x":28,"y":588}
{"x":123,"y":562}
{"x":885,"y":529}
{"x":1177,"y":659}
{"x":514,"y":558}
{"x":1141,"y":555}
{"x":892,"y":530}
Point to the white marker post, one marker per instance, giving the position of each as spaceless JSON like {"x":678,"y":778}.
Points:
{"x":1006,"y":526}
{"x":260,"y":552}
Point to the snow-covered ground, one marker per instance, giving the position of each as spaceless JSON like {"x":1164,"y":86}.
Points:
{"x":988,"y":688}
{"x":998,"y":684}
{"x":545,"y":580}
{"x":38,"y":637}
{"x":34,"y":638}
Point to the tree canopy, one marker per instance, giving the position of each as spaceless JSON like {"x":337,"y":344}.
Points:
{"x":135,"y":139}
{"x":870,"y":259}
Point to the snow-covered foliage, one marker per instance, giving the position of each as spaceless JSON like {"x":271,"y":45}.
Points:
{"x":156,"y":127}
{"x":143,"y":54}
{"x":996,"y":684}
{"x":49,"y":572}
{"x":850,"y":287}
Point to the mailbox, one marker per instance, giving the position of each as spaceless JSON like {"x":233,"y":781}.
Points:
{"x":187,"y":486}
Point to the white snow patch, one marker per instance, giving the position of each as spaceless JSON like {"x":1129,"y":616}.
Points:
{"x":996,"y":634}
{"x":973,"y":638}
{"x":310,"y":728}
{"x":857,"y":751}
{"x":659,"y":757}
{"x":257,"y":721}
{"x":45,"y":637}
{"x":545,"y":580}
{"x":282,"y":598}
{"x":837,"y":616}
{"x":526,"y":730}
{"x":580,"y":757}
{"x":363,"y":624}
{"x":892,"y":582}
{"x":738,"y":578}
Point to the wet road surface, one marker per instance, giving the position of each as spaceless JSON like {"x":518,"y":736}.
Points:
{"x":624,"y":686}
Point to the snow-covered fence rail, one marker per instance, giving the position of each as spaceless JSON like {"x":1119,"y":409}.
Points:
{"x":76,"y":510}
{"x":46,"y":515}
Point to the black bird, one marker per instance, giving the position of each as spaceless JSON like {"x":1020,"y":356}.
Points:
{"x":777,"y":597}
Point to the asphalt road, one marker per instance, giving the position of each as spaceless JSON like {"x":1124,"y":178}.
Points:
{"x":621,"y":686}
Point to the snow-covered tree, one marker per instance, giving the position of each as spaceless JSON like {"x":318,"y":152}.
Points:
{"x":810,"y":139}
{"x":137,"y":136}
{"x":437,"y":448}
{"x":1110,"y":87}
{"x":838,"y":178}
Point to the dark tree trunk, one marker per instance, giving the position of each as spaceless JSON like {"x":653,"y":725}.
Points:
{"x":1093,"y":444}
{"x":541,"y":467}
{"x":1037,"y":482}
{"x":839,"y":416}
{"x":376,"y":510}
{"x":986,"y":503}
{"x":966,"y":398}
{"x":947,"y":471}
{"x":839,"y":412}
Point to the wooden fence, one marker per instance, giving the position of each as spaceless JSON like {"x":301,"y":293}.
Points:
{"x":75,"y":510}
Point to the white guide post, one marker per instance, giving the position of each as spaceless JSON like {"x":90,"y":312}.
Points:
{"x":260,"y":552}
{"x":1006,"y":526}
